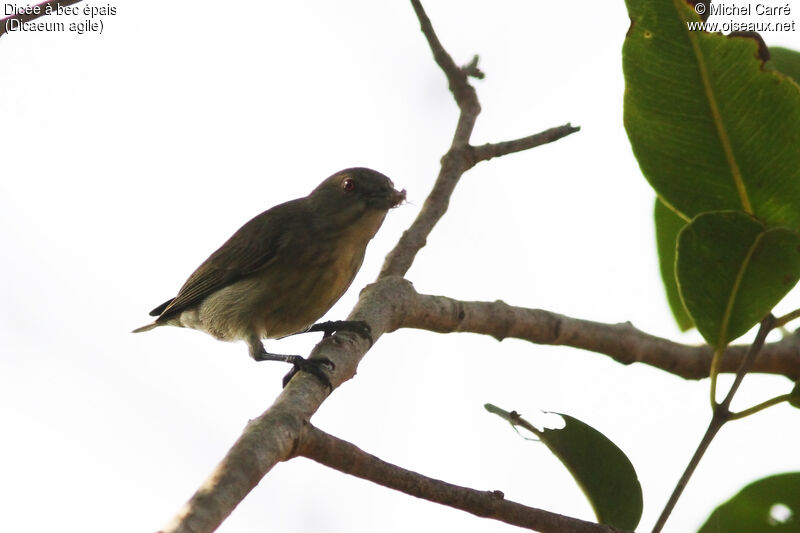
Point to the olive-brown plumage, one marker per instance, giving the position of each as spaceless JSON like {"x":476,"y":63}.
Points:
{"x":286,"y":267}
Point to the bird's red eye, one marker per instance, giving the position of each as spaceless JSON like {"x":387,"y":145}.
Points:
{"x":348,"y":185}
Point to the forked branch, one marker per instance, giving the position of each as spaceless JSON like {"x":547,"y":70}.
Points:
{"x":461,"y":156}
{"x":274,"y":436}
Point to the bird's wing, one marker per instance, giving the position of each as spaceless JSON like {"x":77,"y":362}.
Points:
{"x":160,"y":309}
{"x":238,"y":258}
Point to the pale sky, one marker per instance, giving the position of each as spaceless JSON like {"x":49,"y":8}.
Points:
{"x":129,"y":156}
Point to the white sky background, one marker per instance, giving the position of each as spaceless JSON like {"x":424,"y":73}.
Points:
{"x":128,"y":157}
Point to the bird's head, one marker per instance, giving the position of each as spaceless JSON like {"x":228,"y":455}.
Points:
{"x":355,"y":193}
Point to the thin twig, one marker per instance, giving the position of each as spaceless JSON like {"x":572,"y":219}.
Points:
{"x":42,"y":11}
{"x":472,"y":70}
{"x":348,"y":458}
{"x":767,"y":325}
{"x":713,"y":428}
{"x":721,"y":416}
{"x":457,"y":79}
{"x":485,"y":152}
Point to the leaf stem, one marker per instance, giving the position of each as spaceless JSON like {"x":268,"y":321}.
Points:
{"x":785,"y":319}
{"x":722,"y":414}
{"x":760,"y":407}
{"x":716,"y":362}
{"x":767,"y":325}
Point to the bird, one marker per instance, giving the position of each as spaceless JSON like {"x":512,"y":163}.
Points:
{"x":285,"y":268}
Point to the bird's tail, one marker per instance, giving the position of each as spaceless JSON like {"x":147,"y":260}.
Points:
{"x":148,"y":327}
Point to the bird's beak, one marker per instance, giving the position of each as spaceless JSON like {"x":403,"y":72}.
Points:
{"x":387,"y":198}
{"x":397,"y":197}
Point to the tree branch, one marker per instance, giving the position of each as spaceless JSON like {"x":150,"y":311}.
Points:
{"x":622,"y":342}
{"x":348,"y":458}
{"x":721,"y":416}
{"x":273,"y":436}
{"x":457,"y":160}
{"x":487,"y":151}
{"x":265,"y":441}
{"x":472,"y":70}
{"x":460,"y":157}
{"x":391,"y":304}
{"x":457,"y":78}
{"x":42,"y":12}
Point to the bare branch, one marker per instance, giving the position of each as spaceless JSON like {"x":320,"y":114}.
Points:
{"x":457,"y":160}
{"x":268,"y":439}
{"x":272,"y":437}
{"x":348,"y":458}
{"x":461,"y":156}
{"x":391,"y":304}
{"x":457,"y":77}
{"x":472,"y":70}
{"x":622,"y":342}
{"x":42,"y":11}
{"x":402,"y":256}
{"x":488,"y":151}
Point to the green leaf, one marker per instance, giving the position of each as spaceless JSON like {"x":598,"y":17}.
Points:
{"x":668,"y":225}
{"x":732,"y":271}
{"x":601,"y":469}
{"x":711,"y":129}
{"x":785,"y":61}
{"x":770,"y":504}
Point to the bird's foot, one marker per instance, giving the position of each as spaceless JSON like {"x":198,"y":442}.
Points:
{"x":312,"y":366}
{"x":359,"y":327}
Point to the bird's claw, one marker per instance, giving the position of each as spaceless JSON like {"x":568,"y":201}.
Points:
{"x":312,"y":366}
{"x":359,"y":327}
